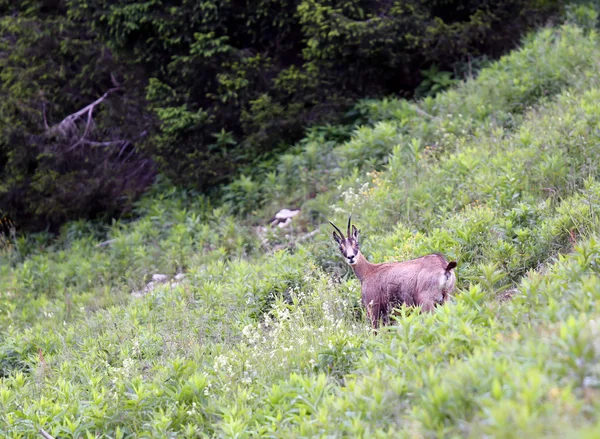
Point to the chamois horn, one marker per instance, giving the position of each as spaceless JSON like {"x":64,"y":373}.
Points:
{"x":349,"y":221}
{"x":338,"y":230}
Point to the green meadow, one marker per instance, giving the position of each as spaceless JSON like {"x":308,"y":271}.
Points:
{"x":264,"y":334}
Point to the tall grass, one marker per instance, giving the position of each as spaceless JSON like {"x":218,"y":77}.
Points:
{"x":265,"y":336}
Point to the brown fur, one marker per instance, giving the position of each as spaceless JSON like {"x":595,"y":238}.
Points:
{"x":426,"y":281}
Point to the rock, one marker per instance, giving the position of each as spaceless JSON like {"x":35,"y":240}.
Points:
{"x":285,"y":223}
{"x":149,"y":287}
{"x":179,"y":276}
{"x":284,"y":214}
{"x":159,"y":277}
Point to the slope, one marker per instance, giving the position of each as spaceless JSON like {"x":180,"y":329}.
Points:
{"x":500,"y":173}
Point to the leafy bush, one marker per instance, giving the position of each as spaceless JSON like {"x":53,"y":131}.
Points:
{"x":233,"y":83}
{"x":406,"y":134}
{"x":207,"y":91}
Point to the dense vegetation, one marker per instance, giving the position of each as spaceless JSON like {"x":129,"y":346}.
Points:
{"x":204,"y":90}
{"x":53,"y":168}
{"x":265,"y":337}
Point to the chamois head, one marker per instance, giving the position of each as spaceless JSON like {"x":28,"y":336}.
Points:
{"x":349,"y":244}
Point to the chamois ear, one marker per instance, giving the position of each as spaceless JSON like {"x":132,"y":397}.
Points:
{"x":355,"y":232}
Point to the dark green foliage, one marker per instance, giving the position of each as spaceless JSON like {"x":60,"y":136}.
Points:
{"x":210,"y":89}
{"x":14,"y":358}
{"x":232,"y":83}
{"x":51,"y":172}
{"x":208,"y":62}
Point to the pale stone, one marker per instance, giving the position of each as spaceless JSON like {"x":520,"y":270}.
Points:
{"x":284,"y":214}
{"x":159,"y":277}
{"x":285,"y":223}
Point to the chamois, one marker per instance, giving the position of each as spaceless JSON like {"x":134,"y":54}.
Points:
{"x":425,"y":281}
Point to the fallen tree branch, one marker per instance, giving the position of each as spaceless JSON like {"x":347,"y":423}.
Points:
{"x":46,"y":127}
{"x":67,"y":125}
{"x":45,"y":434}
{"x":106,"y":243}
{"x":86,"y":131}
{"x":423,"y":112}
{"x":109,"y":143}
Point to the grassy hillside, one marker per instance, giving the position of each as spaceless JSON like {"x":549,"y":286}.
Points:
{"x":265,"y":335}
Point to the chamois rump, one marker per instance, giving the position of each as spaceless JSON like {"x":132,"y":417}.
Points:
{"x":426,"y":281}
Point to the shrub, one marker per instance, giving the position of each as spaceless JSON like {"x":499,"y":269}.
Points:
{"x":232,"y":84}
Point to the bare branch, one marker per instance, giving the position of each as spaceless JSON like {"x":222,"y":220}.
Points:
{"x":125,"y":145}
{"x":106,"y":243}
{"x":68,"y":123}
{"x":46,"y":127}
{"x":86,"y":131}
{"x":45,"y":434}
{"x":139,"y":168}
{"x":423,"y":112}
{"x":114,"y":80}
{"x":109,"y":143}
